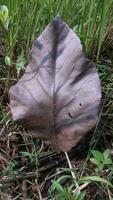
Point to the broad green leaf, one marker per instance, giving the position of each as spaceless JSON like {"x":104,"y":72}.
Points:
{"x":97,"y":155}
{"x":96,"y":162}
{"x":106,"y":153}
{"x":95,"y":179}
{"x":61,"y":178}
{"x":107,"y":159}
{"x":3,"y":13}
{"x":4,"y":16}
{"x":101,"y":166}
{"x":7,"y":61}
{"x":57,"y":186}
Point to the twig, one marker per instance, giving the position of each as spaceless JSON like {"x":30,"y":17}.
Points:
{"x":109,"y":194}
{"x":78,"y":188}
{"x":73,"y":174}
{"x":7,"y":179}
{"x":33,"y":175}
{"x":81,"y":187}
{"x":24,"y":190}
{"x":30,"y":175}
{"x":38,"y":189}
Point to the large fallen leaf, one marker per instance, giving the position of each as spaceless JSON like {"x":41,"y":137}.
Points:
{"x":58,"y":96}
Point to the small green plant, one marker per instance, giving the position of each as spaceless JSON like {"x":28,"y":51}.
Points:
{"x":101,"y":160}
{"x":98,"y":179}
{"x":8,"y":61}
{"x":65,"y":193}
{"x":4,"y":16}
{"x":32,"y":156}
{"x":20,"y":63}
{"x":64,"y":189}
{"x":11,"y":168}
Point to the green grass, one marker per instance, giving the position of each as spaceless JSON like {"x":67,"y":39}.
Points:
{"x":92,"y":21}
{"x":88,"y":18}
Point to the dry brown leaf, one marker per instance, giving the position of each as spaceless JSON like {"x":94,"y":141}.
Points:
{"x":58,"y":96}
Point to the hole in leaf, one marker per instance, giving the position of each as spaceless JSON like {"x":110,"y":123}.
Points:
{"x":69,"y":114}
